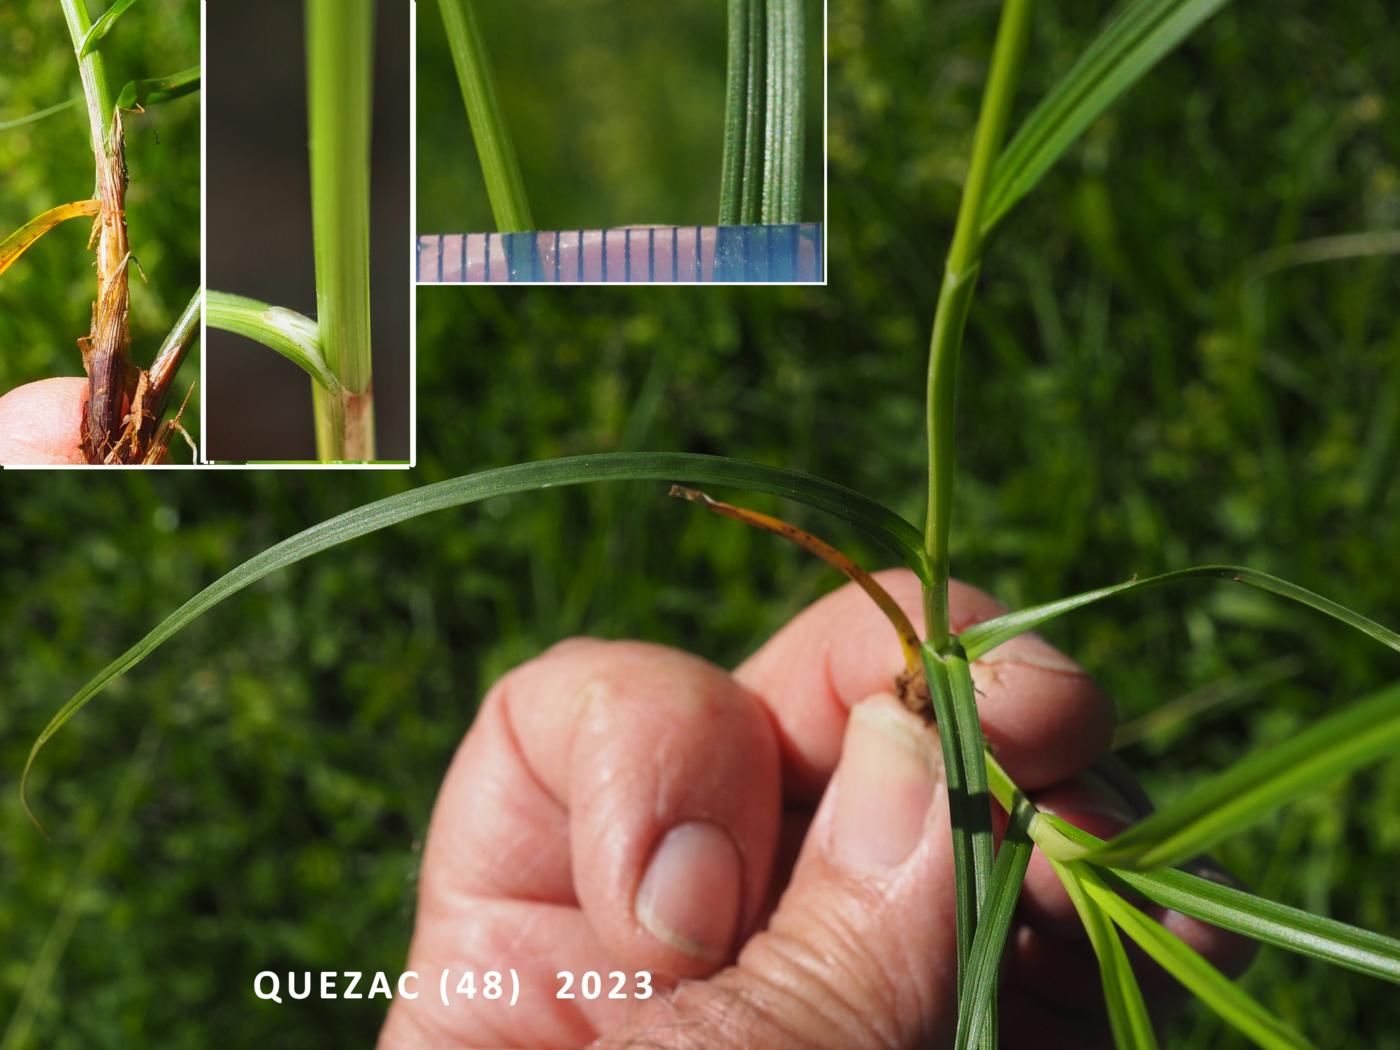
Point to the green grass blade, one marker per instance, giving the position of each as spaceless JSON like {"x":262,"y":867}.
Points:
{"x":1335,"y":747}
{"x":142,"y":94}
{"x":871,"y":517}
{"x":981,"y":638}
{"x":1258,"y":918}
{"x":1140,"y":35}
{"x":791,"y":126}
{"x":59,"y":107}
{"x":736,"y":102}
{"x":783,"y":113}
{"x":295,"y":336}
{"x":340,"y":82}
{"x":102,"y":27}
{"x":494,"y":148}
{"x":17,"y":243}
{"x":977,"y":995}
{"x":754,"y":117}
{"x":1232,"y":1003}
{"x":1127,"y":1012}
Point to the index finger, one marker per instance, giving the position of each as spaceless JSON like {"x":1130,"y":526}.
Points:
{"x":1042,"y":714}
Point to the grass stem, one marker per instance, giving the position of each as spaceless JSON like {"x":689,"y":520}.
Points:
{"x":97,"y":91}
{"x":340,"y":77}
{"x":494,"y":146}
{"x":954,"y":299}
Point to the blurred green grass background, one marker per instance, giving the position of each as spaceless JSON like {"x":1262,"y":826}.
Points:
{"x":1129,"y":404}
{"x":45,"y":298}
{"x":616,"y":110}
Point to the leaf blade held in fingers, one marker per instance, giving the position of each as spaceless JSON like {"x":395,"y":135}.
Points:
{"x":103,"y":26}
{"x":1265,"y":780}
{"x":980,"y":639}
{"x":1232,"y":1003}
{"x":866,"y":514}
{"x":17,"y":243}
{"x":295,"y":336}
{"x":139,"y":94}
{"x":1135,"y":39}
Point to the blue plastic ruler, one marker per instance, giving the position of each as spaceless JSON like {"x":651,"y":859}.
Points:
{"x":790,"y":254}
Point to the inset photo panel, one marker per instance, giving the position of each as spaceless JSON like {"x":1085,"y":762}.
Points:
{"x":566,"y":142}
{"x":308,"y":201}
{"x":99,"y":233}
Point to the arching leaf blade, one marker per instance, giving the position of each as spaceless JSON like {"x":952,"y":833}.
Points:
{"x":871,"y":517}
{"x":19,"y":242}
{"x":980,"y":639}
{"x":47,"y":111}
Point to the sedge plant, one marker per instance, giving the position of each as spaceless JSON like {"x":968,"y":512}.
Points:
{"x":124,"y":411}
{"x":334,"y":348}
{"x":1105,"y":880}
{"x":762,"y":163}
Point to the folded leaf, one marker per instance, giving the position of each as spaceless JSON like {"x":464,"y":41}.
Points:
{"x":103,"y":26}
{"x":18,"y":242}
{"x":980,"y":639}
{"x":1328,"y":750}
{"x":295,"y":336}
{"x":139,"y":94}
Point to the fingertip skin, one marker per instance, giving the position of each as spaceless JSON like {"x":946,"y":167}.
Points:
{"x":41,"y":423}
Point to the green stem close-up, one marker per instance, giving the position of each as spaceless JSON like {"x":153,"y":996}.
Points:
{"x":954,"y":299}
{"x":494,"y":147}
{"x":340,"y":63}
{"x":97,"y":92}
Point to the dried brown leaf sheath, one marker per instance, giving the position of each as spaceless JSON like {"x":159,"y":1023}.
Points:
{"x":121,"y":420}
{"x":112,"y":381}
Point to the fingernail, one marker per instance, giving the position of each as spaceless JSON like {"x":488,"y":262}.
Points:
{"x":884,"y":786}
{"x":690,"y":894}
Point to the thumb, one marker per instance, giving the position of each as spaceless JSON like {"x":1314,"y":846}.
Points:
{"x":41,"y":423}
{"x":861,"y":950}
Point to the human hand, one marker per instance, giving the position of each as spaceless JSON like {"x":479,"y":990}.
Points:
{"x":775,"y":839}
{"x":41,"y":423}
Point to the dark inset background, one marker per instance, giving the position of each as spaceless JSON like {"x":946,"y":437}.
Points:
{"x":258,"y":213}
{"x":616,"y":109}
{"x":46,"y":297}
